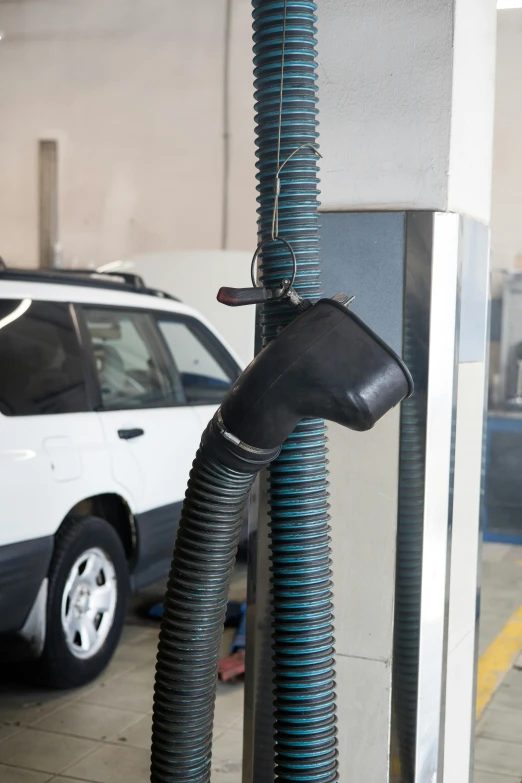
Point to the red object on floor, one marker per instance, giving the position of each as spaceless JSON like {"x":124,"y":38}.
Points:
{"x":233,"y":667}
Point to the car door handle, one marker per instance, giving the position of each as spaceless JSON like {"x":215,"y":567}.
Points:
{"x":130,"y":434}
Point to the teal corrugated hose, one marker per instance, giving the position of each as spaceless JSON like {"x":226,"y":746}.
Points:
{"x":303,"y":653}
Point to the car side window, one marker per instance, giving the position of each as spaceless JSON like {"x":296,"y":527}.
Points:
{"x":206,"y":370}
{"x":131,"y":367}
{"x":41,"y":369}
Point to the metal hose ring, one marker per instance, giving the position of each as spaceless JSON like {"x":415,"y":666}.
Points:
{"x":286,"y":285}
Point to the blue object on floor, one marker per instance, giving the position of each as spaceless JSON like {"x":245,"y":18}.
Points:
{"x":236,"y":616}
{"x":239,"y":642}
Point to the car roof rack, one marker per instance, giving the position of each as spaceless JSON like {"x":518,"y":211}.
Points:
{"x":121,"y":281}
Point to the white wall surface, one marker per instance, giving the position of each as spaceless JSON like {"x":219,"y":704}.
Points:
{"x":472,"y":108}
{"x":506,"y":214}
{"x":399,"y":84}
{"x":363,"y":521}
{"x":133,"y":90}
{"x":195,"y":277}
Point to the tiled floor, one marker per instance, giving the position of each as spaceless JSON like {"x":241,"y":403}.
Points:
{"x":101,"y":734}
{"x":498,"y":745}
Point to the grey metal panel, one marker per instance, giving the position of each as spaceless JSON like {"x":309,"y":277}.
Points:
{"x":411,"y":505}
{"x":363,"y":254}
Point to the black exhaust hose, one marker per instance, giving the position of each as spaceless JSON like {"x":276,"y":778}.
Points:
{"x":326,"y":364}
{"x":194,"y":610}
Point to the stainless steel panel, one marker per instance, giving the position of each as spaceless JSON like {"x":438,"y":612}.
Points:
{"x":464,"y":592}
{"x":431,"y":321}
{"x":431,"y":255}
{"x":446,"y":428}
{"x":440,"y":406}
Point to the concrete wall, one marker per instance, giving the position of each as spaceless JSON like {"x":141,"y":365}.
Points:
{"x":135,"y":93}
{"x":406,"y":104}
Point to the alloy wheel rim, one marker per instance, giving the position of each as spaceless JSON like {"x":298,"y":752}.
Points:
{"x":89,"y":603}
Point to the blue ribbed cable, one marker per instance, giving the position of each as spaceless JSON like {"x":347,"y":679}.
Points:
{"x":303,"y":652}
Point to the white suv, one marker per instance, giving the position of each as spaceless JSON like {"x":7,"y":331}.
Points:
{"x":105,"y":388}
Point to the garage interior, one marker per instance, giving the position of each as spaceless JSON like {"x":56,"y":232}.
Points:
{"x":132,"y":143}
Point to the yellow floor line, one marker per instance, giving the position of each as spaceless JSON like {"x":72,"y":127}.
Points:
{"x":498,"y":660}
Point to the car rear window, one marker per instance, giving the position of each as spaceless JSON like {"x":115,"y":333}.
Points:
{"x":206,"y":371}
{"x":132,"y":370}
{"x":41,"y":369}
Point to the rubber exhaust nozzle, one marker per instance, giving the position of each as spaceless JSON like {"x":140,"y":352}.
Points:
{"x":326,"y":364}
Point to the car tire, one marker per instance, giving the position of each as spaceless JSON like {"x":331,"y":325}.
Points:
{"x":87,"y":599}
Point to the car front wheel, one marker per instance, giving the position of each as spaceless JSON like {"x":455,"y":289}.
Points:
{"x":88,"y":590}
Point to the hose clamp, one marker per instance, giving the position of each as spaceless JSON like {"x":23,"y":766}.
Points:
{"x":218,"y":418}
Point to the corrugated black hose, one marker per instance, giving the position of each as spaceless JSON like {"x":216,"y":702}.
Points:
{"x":326,"y":364}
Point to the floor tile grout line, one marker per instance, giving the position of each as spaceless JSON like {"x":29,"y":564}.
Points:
{"x":12,"y":765}
{"x":498,"y":660}
{"x":17,"y":730}
{"x":34,"y":727}
{"x":82,"y":758}
{"x":73,"y":780}
{"x":499,"y":739}
{"x":108,"y":741}
{"x":75,"y":700}
{"x":96,"y":704}
{"x":515,"y":777}
{"x":491,"y":706}
{"x":113,"y":741}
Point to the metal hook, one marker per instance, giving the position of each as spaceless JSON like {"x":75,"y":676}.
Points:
{"x":277,"y":185}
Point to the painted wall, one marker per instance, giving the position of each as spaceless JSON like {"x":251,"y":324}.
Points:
{"x":506,"y":217}
{"x":135,"y":93}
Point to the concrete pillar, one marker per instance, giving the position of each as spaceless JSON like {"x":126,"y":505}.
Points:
{"x":406,"y":121}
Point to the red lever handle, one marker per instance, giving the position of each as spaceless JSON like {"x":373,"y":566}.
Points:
{"x":236,"y":297}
